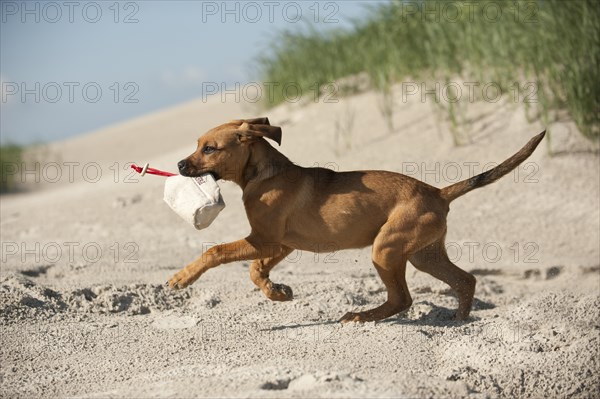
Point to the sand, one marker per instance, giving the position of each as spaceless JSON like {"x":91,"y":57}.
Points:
{"x":85,"y":313}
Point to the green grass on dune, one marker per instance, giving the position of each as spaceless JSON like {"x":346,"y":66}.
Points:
{"x":555,"y":44}
{"x":10,"y":160}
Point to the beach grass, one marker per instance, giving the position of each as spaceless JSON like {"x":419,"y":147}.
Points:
{"x":546,"y":51}
{"x":10,"y":160}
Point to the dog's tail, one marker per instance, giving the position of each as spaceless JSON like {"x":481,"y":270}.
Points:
{"x":454,"y":191}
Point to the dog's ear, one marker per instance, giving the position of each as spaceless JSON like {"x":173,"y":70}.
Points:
{"x":254,"y":121}
{"x":249,"y":130}
{"x":257,"y":121}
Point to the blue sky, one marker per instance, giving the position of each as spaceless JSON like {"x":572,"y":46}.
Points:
{"x":68,"y":68}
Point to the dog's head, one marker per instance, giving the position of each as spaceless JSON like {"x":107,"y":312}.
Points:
{"x":224,"y":150}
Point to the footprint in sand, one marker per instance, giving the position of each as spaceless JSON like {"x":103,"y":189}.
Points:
{"x":36,"y":271}
{"x":549,"y":273}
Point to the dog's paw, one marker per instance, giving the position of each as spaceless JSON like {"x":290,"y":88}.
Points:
{"x":279,"y":292}
{"x":354,"y":317}
{"x":182,"y":279}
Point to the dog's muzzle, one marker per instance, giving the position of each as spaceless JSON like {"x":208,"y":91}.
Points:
{"x":184,"y":170}
{"x":182,"y":166}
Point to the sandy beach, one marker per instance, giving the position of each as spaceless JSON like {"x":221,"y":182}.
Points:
{"x":85,"y":312}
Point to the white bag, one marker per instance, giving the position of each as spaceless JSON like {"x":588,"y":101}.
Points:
{"x":196,"y":199}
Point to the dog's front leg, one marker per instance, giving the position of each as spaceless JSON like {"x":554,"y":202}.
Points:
{"x":259,"y":274}
{"x":220,"y":254}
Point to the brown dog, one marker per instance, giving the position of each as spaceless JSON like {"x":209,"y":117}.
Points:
{"x":290,"y":207}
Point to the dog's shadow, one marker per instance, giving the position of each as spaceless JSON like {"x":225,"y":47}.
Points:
{"x":438,"y":316}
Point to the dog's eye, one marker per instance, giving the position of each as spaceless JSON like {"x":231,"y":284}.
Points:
{"x":208,"y":149}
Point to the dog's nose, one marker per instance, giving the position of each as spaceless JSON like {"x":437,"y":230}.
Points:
{"x":182,"y":165}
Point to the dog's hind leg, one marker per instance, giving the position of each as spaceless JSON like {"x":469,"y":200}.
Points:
{"x":434,"y":260}
{"x":389,"y":259}
{"x":259,"y":274}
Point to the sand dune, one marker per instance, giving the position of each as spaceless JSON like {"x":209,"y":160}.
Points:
{"x":84,"y":311}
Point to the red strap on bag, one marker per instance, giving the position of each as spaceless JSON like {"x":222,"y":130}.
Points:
{"x":151,"y":171}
